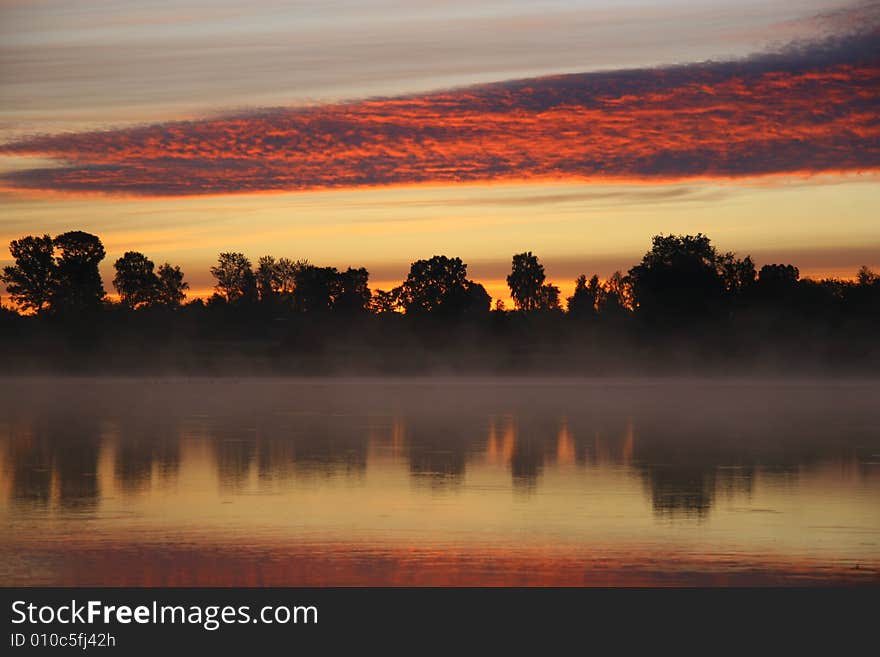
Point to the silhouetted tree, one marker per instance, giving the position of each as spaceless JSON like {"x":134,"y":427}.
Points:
{"x":585,"y":298}
{"x":615,"y":295}
{"x":235,"y":278}
{"x":779,"y":276}
{"x":29,"y":281}
{"x":268,"y":277}
{"x":681,"y":282}
{"x":433,"y":284}
{"x":276,"y":279}
{"x":171,"y":288}
{"x":867,"y":277}
{"x":383,"y":301}
{"x":135,"y":280}
{"x":777,"y":283}
{"x":678,"y":279}
{"x":476,"y":301}
{"x":864,"y":298}
{"x":78,"y":285}
{"x":286,"y":272}
{"x":525,"y":281}
{"x":548,"y":298}
{"x":440,"y":286}
{"x":353,"y":292}
{"x":315,"y":288}
{"x":738,"y":275}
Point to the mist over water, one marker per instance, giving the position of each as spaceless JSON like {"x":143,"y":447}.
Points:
{"x":438,"y":481}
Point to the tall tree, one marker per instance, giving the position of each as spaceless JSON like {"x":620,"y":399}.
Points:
{"x":433,"y":285}
{"x":477,"y":300}
{"x":585,"y":298}
{"x":135,"y":280}
{"x":784,"y":275}
{"x":286,"y":271}
{"x":776,"y":280}
{"x":548,"y":298}
{"x":315,"y":288}
{"x":29,"y":281}
{"x":171,"y":288}
{"x":277,"y":278}
{"x":738,"y":275}
{"x":525,"y":281}
{"x":235,"y":277}
{"x":615,"y":295}
{"x":678,"y":279}
{"x":268,"y":276}
{"x":78,"y":285}
{"x":353,"y":293}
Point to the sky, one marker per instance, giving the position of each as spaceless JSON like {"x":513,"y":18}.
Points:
{"x":376,"y":132}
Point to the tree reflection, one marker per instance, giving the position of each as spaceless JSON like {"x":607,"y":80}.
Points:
{"x":438,"y":448}
{"x":144,"y":445}
{"x":283,"y":447}
{"x":30,"y":463}
{"x":681,"y":490}
{"x":56,"y":461}
{"x":689,"y":451}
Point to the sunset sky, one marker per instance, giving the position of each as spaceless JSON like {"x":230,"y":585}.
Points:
{"x":376,"y":132}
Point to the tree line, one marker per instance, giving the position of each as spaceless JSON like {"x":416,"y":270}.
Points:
{"x":60,"y":274}
{"x":680,"y":280}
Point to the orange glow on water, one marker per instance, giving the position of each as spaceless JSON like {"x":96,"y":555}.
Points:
{"x":565,"y":454}
{"x":416,"y":482}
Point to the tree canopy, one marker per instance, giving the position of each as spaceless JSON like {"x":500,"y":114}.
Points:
{"x":78,"y":286}
{"x":678,"y":279}
{"x":30,"y":280}
{"x":438,"y":284}
{"x":680,"y":282}
{"x":135,"y":280}
{"x":584,"y":301}
{"x":171,"y":288}
{"x":525,"y":281}
{"x":235,"y":277}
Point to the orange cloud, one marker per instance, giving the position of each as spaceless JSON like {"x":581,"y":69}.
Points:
{"x":807,"y":110}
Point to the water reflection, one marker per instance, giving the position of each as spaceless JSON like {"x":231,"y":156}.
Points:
{"x":53,"y":448}
{"x":586,"y":462}
{"x":54,"y":458}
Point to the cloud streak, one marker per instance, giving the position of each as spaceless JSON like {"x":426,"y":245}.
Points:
{"x":810,"y":109}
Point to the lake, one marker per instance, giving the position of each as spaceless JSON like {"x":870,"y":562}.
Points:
{"x":439,"y":482}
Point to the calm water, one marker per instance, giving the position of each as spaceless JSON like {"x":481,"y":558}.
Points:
{"x":292,"y":482}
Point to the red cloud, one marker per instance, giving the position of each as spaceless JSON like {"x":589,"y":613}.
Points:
{"x":812,"y":110}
